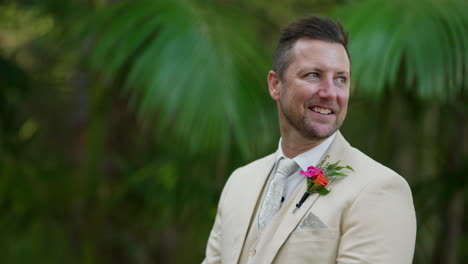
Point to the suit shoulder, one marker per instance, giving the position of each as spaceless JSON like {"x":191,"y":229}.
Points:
{"x":370,"y":171}
{"x":361,"y":158}
{"x":256,"y":164}
{"x":247,"y":171}
{"x":370,"y":180}
{"x":242,"y":176}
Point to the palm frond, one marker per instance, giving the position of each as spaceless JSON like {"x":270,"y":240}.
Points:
{"x":197,"y":69}
{"x":420,"y":46}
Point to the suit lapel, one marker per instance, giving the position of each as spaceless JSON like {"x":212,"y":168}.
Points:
{"x":250,"y":197}
{"x":293,"y":215}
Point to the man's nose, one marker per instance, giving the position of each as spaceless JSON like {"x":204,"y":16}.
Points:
{"x":327,"y":88}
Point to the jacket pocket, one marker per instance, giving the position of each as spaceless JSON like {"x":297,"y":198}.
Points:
{"x":310,"y":246}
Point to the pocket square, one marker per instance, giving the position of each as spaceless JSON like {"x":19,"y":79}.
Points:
{"x":311,"y":221}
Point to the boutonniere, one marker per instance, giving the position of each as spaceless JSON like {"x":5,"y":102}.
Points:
{"x":318,"y":177}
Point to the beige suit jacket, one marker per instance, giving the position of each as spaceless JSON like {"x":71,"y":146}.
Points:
{"x":368,"y":217}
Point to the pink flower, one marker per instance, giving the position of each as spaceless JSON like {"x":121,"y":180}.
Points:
{"x":312,"y":172}
{"x":316,"y":175}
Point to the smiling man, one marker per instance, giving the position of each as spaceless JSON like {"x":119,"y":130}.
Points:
{"x":295,"y":205}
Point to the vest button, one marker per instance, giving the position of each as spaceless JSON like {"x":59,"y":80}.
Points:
{"x":253,"y":252}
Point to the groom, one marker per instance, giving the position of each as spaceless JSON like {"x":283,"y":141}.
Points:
{"x":368,"y":216}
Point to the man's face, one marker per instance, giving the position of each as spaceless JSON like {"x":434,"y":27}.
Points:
{"x":313,"y":96}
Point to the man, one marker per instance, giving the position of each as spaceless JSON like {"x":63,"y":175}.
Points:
{"x":368,"y":216}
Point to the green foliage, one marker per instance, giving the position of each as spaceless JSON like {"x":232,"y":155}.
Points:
{"x":418,"y":46}
{"x":192,"y":67}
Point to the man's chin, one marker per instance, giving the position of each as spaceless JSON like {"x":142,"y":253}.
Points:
{"x":319,"y":134}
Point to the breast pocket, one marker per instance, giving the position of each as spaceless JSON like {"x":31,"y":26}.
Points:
{"x":310,"y":246}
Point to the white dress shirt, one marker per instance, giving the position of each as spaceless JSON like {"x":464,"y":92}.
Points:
{"x":304,"y":160}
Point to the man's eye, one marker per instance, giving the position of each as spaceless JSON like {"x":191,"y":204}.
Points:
{"x":313,"y":75}
{"x":341,"y":80}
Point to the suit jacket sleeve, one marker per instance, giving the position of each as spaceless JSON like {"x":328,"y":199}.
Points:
{"x":380,"y":224}
{"x":213,"y":247}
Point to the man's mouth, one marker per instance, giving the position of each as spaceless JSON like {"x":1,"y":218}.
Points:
{"x":321,"y":110}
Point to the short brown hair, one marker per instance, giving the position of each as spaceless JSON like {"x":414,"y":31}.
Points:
{"x":313,"y":27}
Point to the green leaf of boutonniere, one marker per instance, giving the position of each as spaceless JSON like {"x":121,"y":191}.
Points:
{"x":336,"y":174}
{"x":332,"y":166}
{"x":323,"y":191}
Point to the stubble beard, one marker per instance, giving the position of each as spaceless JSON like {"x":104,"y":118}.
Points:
{"x":306,"y":128}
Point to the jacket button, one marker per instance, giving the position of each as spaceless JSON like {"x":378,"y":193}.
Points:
{"x":253,"y":252}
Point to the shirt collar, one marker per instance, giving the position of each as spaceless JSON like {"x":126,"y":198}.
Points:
{"x":310,"y":157}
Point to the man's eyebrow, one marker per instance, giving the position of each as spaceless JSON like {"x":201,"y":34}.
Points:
{"x":319,"y":69}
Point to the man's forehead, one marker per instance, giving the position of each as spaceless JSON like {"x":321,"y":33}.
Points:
{"x":320,"y":55}
{"x":303,"y":43}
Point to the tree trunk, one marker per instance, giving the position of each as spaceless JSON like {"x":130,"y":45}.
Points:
{"x":451,"y":225}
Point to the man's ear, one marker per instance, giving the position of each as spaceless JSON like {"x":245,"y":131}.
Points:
{"x":274,"y":85}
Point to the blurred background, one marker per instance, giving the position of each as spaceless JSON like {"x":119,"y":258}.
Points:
{"x":121,"y":120}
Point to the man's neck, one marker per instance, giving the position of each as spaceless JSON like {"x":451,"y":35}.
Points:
{"x":293,"y":145}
